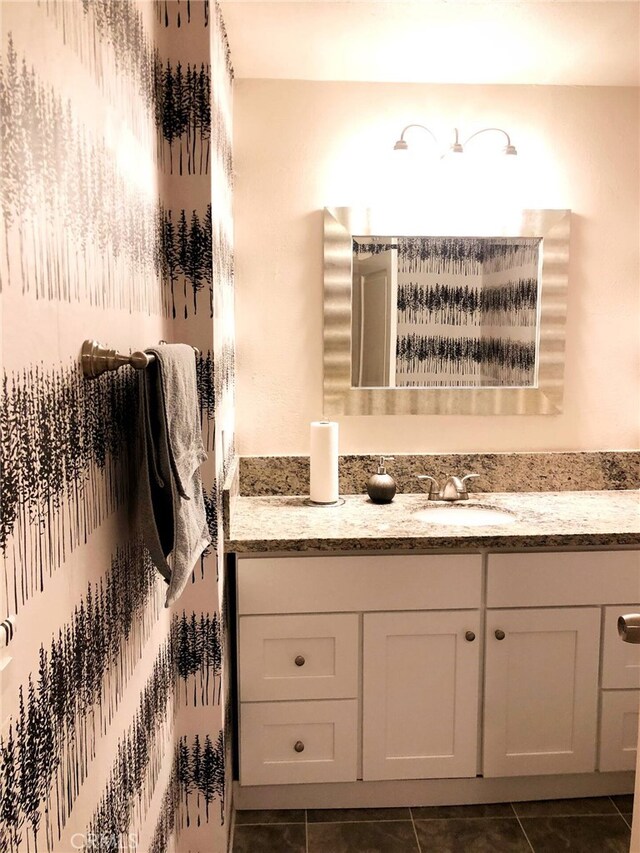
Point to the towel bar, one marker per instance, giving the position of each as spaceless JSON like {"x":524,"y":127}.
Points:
{"x":97,"y":359}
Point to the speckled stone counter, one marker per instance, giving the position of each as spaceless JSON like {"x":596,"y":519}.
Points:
{"x":543,"y":519}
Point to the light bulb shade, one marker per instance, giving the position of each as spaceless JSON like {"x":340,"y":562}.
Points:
{"x":457,"y":148}
{"x":510,"y":149}
{"x":400,"y":145}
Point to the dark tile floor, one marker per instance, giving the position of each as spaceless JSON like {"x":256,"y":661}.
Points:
{"x":588,"y":825}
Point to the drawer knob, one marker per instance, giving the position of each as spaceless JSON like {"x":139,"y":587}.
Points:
{"x":299,"y":661}
{"x":500,"y":635}
{"x":470,"y":636}
{"x":298,"y":746}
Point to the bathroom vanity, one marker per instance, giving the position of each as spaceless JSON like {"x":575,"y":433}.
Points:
{"x":384,"y":660}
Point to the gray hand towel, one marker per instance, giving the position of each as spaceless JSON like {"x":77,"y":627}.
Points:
{"x":170,"y":501}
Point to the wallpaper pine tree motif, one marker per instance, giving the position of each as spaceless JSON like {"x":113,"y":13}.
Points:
{"x":72,"y":178}
{"x":71,"y":701}
{"x":180,"y":11}
{"x":65,"y":450}
{"x":57,"y":170}
{"x":198,"y":657}
{"x":126,"y":798}
{"x":195,"y":784}
{"x":183,"y":117}
{"x":81,"y":677}
{"x":203,"y":300}
{"x":114,"y":226}
{"x":185,"y":245}
{"x":115,"y":43}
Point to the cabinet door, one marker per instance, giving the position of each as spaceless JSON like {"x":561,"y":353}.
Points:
{"x":420,"y":714}
{"x":619,"y":729}
{"x":541,"y":696}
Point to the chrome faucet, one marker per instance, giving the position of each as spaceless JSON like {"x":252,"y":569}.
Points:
{"x":453,"y":490}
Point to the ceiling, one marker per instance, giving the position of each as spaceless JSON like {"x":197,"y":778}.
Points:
{"x":544,"y":42}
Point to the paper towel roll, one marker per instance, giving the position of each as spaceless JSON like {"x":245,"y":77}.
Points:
{"x":324,"y":462}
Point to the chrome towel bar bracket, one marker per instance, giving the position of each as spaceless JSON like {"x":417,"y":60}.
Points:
{"x":96,"y":359}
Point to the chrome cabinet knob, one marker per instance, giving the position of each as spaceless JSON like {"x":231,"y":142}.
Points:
{"x":629,"y":627}
{"x":299,"y":661}
{"x":470,"y":636}
{"x":500,"y":635}
{"x":298,"y":746}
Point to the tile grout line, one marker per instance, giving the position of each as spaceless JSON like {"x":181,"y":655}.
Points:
{"x":415,"y":831}
{"x":615,"y":805}
{"x":274,"y":823}
{"x":477,"y":817}
{"x":568,"y":814}
{"x":623,"y":816}
{"x":522,"y":828}
{"x":377,"y":820}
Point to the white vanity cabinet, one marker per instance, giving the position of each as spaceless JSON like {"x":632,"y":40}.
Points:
{"x":475,"y":667}
{"x":380,"y":630}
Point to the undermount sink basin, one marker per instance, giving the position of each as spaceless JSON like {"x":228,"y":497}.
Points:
{"x":466,"y":515}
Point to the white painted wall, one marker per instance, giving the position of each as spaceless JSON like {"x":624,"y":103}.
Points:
{"x":300,"y":146}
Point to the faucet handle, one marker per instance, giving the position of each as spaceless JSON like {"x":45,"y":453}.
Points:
{"x":468,"y":477}
{"x":462,"y":483}
{"x":434,"y":488}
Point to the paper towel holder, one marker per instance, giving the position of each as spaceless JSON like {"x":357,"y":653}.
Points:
{"x":309,"y":502}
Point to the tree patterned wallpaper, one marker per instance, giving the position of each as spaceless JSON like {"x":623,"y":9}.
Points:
{"x":465,"y":310}
{"x":115,"y":224}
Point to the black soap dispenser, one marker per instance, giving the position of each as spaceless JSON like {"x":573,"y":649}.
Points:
{"x":381,"y":486}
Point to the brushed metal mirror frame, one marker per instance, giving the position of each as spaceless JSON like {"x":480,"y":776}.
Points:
{"x":340,"y":398}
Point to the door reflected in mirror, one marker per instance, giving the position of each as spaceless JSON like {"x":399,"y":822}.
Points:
{"x":445,"y":311}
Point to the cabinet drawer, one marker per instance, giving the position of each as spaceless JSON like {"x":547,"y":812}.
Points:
{"x":347,"y":584}
{"x":620,"y":661}
{"x":619,"y":729}
{"x":556,"y":579}
{"x":298,"y":657}
{"x":325,"y":734}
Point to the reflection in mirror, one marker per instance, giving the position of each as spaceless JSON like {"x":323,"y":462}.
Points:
{"x":424,"y":318}
{"x":442,"y":311}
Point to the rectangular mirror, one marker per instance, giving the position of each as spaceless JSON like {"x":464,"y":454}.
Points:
{"x":442,"y":323}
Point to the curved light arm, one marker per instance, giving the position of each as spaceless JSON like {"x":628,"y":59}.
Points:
{"x":401,"y":145}
{"x":509,"y":147}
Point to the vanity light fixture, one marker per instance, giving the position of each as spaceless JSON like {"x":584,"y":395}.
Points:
{"x":457,"y":147}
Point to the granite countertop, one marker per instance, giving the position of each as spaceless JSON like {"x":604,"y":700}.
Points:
{"x":543,"y":519}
